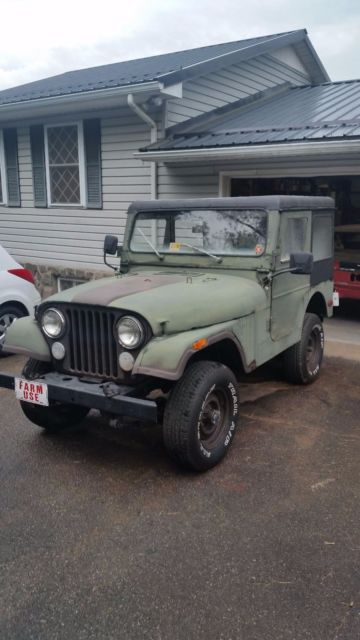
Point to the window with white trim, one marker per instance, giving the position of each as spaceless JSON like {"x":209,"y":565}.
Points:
{"x":65,"y":164}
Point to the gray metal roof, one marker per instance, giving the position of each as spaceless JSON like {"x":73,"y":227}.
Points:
{"x":327,"y":111}
{"x":168,"y":68}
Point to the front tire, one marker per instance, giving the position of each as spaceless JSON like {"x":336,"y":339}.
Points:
{"x":200,"y":416}
{"x":302,"y":362}
{"x":57,"y":418}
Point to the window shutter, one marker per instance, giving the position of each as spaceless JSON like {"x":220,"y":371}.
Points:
{"x":92,"y":138}
{"x":12,"y":167}
{"x":38,"y":165}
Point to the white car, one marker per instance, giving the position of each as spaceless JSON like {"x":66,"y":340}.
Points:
{"x":18,"y":295}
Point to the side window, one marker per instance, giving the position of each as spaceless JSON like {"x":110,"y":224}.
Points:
{"x":66,"y":161}
{"x":322,"y":237}
{"x":9,"y":169}
{"x":2,"y":170}
{"x":293,"y":237}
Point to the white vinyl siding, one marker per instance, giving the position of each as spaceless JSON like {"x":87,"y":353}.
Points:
{"x":202,"y":180}
{"x":228,"y":85}
{"x":3,"y":189}
{"x":288,"y":56}
{"x":69,"y":236}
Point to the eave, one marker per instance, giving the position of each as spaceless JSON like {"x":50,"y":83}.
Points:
{"x":81,"y":101}
{"x":263,"y":151}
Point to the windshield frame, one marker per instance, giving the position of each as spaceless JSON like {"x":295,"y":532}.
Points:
{"x":163,"y":213}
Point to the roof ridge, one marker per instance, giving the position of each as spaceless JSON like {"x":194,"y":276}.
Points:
{"x":65,"y":76}
{"x":220,"y":44}
{"x":205,"y":46}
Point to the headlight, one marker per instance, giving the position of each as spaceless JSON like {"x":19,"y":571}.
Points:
{"x":53,"y":323}
{"x":130,"y":332}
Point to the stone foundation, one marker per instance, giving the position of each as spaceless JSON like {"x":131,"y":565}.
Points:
{"x":46,"y":276}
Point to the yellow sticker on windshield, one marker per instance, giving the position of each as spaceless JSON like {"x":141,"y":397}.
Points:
{"x":175,"y":246}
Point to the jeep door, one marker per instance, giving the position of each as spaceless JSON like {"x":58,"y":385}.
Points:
{"x":288,"y":289}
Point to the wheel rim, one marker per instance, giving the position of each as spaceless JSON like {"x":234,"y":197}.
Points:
{"x":5,"y":321}
{"x":313,"y":350}
{"x":214,"y":417}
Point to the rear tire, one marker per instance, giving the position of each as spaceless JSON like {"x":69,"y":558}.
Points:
{"x":302,"y":362}
{"x":200,"y":416}
{"x":57,"y":418}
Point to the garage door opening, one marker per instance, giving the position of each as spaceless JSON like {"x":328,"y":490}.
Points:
{"x":346,"y":192}
{"x":344,"y":189}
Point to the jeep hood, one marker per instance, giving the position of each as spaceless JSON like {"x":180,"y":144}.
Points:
{"x":172,"y":302}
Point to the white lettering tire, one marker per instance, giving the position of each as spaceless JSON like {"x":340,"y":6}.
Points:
{"x":201,"y":415}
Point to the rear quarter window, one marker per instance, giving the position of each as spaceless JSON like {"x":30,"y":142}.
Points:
{"x":322,"y":237}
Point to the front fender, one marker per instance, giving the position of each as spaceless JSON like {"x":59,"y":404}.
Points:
{"x":166,"y":357}
{"x":24,"y":337}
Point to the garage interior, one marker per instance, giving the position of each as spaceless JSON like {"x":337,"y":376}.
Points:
{"x":344,"y":189}
{"x":346,"y":192}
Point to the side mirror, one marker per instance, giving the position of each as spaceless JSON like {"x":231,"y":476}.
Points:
{"x":301,"y":263}
{"x":110,"y":245}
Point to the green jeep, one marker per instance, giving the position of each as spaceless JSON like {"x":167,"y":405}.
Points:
{"x":207,"y":290}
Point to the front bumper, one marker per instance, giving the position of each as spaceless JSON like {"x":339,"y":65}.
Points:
{"x":104,"y":396}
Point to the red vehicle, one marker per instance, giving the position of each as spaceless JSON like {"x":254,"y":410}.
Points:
{"x":347,"y":261}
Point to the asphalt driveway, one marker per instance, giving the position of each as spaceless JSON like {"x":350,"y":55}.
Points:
{"x":102,"y":537}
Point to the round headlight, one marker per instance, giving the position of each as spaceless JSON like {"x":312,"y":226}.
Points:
{"x":53,"y":323}
{"x":130,"y":332}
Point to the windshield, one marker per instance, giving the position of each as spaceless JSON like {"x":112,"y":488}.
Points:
{"x":213,"y":232}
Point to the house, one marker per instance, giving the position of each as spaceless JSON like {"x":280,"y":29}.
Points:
{"x":248,"y":117}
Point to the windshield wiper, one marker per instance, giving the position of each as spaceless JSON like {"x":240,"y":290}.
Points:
{"x":247,"y":224}
{"x":211,"y":255}
{"x":161,"y":257}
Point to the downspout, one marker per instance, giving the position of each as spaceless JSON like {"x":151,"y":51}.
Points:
{"x":153,"y":138}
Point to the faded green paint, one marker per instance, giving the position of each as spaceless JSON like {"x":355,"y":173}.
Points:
{"x":24,"y":337}
{"x":187,"y":297}
{"x":167,"y":355}
{"x":195,"y":300}
{"x":198,"y":301}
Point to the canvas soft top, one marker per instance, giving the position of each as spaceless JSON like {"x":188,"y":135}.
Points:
{"x":271,"y":203}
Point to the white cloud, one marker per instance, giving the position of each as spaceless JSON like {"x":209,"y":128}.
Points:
{"x":48,"y":39}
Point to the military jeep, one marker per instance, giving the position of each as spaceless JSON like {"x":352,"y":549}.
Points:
{"x":206,"y":291}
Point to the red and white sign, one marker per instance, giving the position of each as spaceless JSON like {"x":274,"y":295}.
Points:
{"x":32,"y":391}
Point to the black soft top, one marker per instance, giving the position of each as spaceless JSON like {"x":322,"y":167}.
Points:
{"x":272,"y":203}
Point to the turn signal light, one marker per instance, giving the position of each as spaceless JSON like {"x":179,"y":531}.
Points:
{"x":25,"y":274}
{"x":199,"y":344}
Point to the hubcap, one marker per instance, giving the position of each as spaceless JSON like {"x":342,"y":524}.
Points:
{"x":313,"y":350}
{"x":214,"y":416}
{"x":5,"y":321}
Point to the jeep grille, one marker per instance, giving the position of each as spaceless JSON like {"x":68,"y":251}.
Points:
{"x":92,"y":348}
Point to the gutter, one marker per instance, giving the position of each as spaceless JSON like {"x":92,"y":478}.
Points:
{"x":153,"y":137}
{"x":265,"y":151}
{"x":73,"y":98}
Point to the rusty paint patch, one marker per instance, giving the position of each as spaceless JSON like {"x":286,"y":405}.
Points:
{"x":123,"y":287}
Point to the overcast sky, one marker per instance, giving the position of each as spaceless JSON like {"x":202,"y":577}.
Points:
{"x":40,"y":38}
